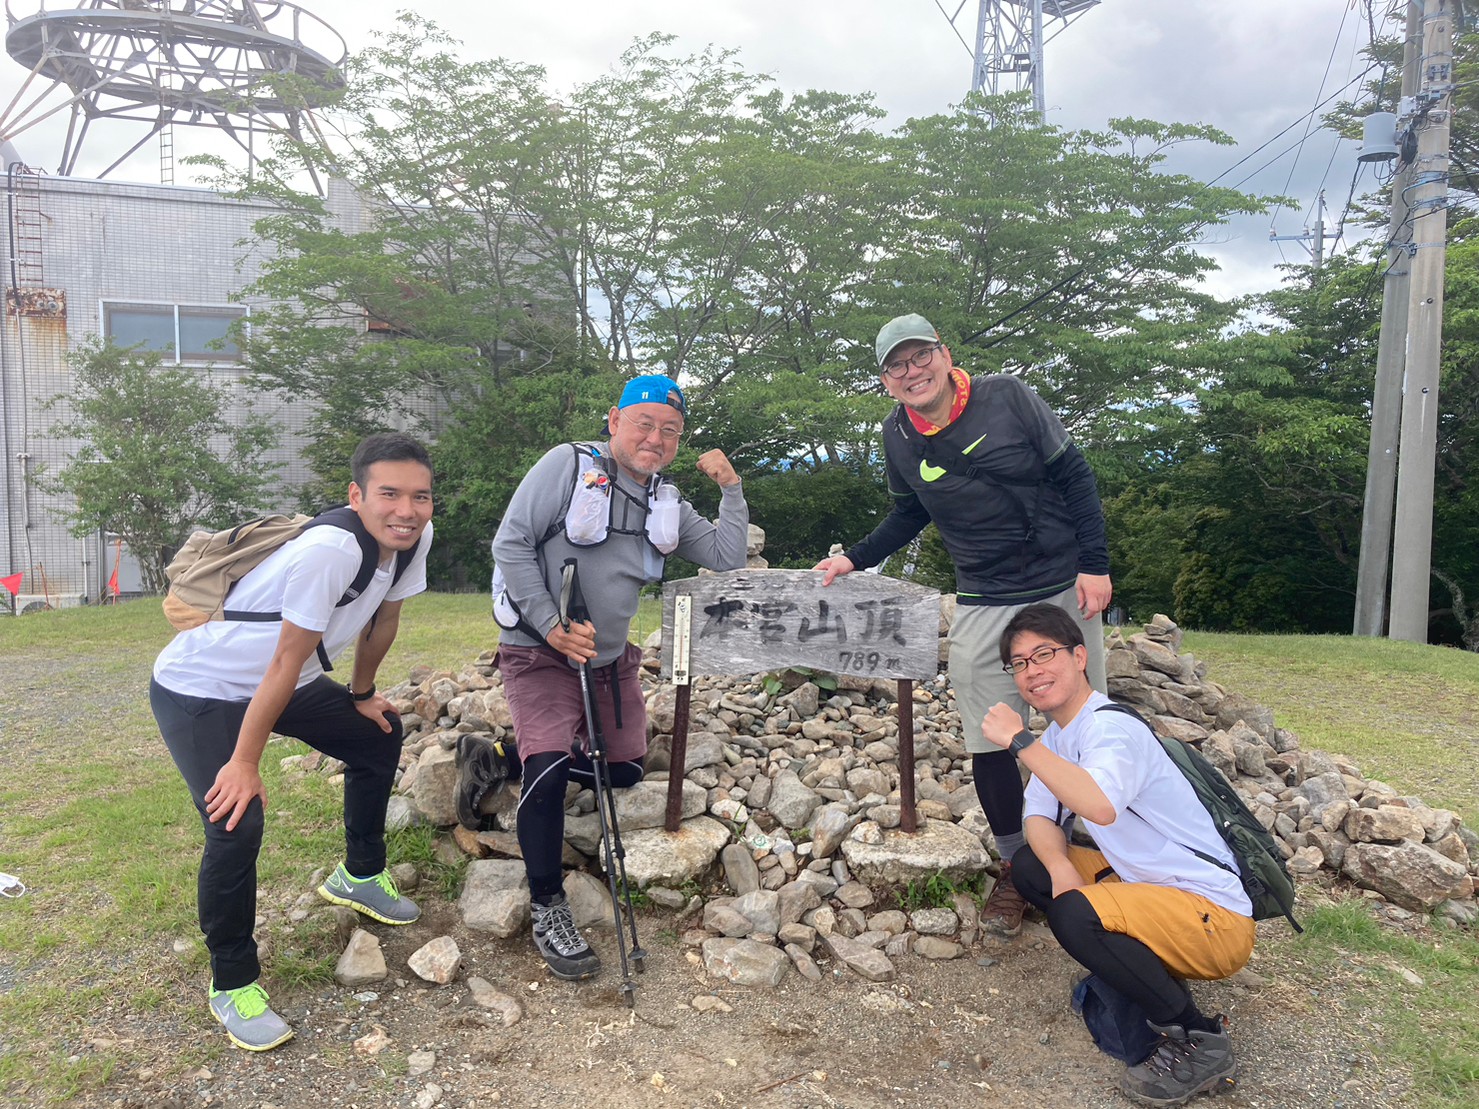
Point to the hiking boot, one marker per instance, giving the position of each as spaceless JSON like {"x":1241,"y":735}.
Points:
{"x":244,"y":1014}
{"x":376,"y":897}
{"x":1001,"y":915}
{"x":1183,"y":1065}
{"x":482,"y":767}
{"x":560,"y":942}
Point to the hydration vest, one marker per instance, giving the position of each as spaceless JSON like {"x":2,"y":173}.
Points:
{"x":588,"y":521}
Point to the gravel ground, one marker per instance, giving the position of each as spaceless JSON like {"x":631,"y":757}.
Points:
{"x":943,"y":1034}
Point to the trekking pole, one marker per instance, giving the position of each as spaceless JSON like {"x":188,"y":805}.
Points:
{"x":572,"y":607}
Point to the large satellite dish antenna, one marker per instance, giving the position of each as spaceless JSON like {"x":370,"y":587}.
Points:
{"x":201,"y":63}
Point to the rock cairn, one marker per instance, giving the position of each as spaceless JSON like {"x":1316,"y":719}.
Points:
{"x":790,"y":845}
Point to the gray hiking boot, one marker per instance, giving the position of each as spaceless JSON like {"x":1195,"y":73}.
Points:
{"x":1183,"y":1065}
{"x":560,"y":942}
{"x":244,"y":1013}
{"x":376,"y":897}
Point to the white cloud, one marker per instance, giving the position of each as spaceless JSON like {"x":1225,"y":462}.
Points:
{"x":1249,"y":67}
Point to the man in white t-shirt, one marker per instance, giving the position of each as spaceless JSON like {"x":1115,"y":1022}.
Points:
{"x":1145,"y":911}
{"x":220,"y":689}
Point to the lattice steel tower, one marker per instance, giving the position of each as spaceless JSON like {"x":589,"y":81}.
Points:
{"x":202,"y":63}
{"x":1008,"y":46}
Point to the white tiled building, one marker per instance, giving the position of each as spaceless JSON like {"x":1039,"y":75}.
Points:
{"x":154,"y":263}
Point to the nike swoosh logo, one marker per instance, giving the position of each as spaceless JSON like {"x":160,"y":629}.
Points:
{"x":973,"y":446}
{"x":930,"y":473}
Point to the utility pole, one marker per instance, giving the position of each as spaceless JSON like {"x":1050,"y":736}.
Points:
{"x":1386,"y":397}
{"x":1317,"y":252}
{"x":1312,"y":241}
{"x":1412,"y":550}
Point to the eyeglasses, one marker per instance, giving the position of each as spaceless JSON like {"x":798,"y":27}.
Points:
{"x":645,"y":428}
{"x":920,"y":358}
{"x":1040,"y":657}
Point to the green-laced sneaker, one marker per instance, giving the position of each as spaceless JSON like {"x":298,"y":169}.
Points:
{"x":376,"y":897}
{"x":244,"y":1014}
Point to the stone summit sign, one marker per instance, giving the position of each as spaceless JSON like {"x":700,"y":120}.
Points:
{"x":750,"y":621}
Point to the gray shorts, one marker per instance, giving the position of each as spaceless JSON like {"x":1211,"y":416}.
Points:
{"x":975,"y":662}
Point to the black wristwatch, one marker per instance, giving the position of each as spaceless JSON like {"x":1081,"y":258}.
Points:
{"x":1020,"y":742}
{"x":365,"y":696}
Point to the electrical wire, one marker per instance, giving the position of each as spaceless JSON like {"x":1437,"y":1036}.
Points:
{"x":1309,"y":119}
{"x":1071,"y":277}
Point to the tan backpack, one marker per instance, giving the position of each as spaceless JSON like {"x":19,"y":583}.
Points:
{"x":203,"y":570}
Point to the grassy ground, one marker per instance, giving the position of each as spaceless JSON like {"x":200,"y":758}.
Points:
{"x":1406,"y":714}
{"x":95,"y":820}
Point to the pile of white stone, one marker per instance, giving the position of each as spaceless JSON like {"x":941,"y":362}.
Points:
{"x":790,"y":836}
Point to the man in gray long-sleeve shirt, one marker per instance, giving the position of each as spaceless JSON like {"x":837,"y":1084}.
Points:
{"x":607,"y":506}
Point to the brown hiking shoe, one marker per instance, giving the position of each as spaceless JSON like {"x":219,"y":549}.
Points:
{"x":1002,"y":913}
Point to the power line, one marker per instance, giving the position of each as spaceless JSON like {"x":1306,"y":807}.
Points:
{"x":1068,"y":279}
{"x":1340,"y":31}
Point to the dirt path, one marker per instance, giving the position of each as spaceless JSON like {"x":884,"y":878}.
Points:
{"x":944,"y":1034}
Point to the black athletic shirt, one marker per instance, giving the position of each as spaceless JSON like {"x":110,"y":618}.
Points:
{"x":1023,"y":533}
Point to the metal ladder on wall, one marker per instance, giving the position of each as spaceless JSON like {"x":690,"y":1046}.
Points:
{"x":167,"y":154}
{"x":29,"y":271}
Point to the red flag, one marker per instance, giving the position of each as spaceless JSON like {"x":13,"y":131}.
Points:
{"x":13,"y":583}
{"x":113,"y":581}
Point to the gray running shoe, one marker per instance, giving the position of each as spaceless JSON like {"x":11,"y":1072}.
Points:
{"x":1183,"y":1065}
{"x":560,"y":942}
{"x":376,"y":897}
{"x":244,"y":1014}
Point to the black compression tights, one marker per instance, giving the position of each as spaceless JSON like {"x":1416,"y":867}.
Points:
{"x":1122,"y":961}
{"x":999,"y":786}
{"x":541,"y":820}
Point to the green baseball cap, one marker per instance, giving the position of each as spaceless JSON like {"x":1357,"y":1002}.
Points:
{"x":903,"y":329}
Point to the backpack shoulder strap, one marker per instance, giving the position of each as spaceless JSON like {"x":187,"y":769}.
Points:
{"x":347,"y":519}
{"x":1116,"y":706}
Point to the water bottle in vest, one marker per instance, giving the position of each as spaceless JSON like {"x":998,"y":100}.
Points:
{"x":662,"y":518}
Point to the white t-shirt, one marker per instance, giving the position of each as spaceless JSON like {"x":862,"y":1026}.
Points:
{"x":303,"y":579}
{"x":1148,"y":844}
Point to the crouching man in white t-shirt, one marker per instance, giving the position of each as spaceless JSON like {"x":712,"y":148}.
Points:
{"x":220,"y":689}
{"x":1143,"y":912}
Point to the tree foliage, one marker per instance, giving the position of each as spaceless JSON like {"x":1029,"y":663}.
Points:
{"x":158,"y":456}
{"x":525,"y":252}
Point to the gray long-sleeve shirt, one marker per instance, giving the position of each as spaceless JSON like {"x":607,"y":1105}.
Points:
{"x":612,"y":573}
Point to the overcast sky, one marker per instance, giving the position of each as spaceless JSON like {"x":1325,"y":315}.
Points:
{"x":1248,"y":67}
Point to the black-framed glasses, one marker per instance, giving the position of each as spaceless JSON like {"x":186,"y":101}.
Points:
{"x":920,"y":358}
{"x":1040,"y":657}
{"x":647,"y":427}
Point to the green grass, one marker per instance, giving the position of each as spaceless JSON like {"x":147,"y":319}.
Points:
{"x":1433,"y":1027}
{"x":1405,"y":713}
{"x":937,"y":892}
{"x":95,"y":819}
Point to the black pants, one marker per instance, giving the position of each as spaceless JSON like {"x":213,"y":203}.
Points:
{"x":201,"y":732}
{"x":541,"y":814}
{"x":1122,"y":961}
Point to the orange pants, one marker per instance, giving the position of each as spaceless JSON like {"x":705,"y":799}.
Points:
{"x":1194,"y":937}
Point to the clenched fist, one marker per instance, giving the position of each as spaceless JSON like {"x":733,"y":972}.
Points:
{"x":717,"y":466}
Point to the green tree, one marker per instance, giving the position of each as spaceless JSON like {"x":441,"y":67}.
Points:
{"x":158,"y":454}
{"x":679,"y":213}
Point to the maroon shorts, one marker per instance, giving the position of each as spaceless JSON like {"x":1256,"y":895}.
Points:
{"x":543,"y":692}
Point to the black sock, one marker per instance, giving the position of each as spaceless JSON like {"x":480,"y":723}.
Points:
{"x":1193,"y":1021}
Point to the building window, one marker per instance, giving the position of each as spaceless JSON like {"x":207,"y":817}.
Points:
{"x":187,"y":332}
